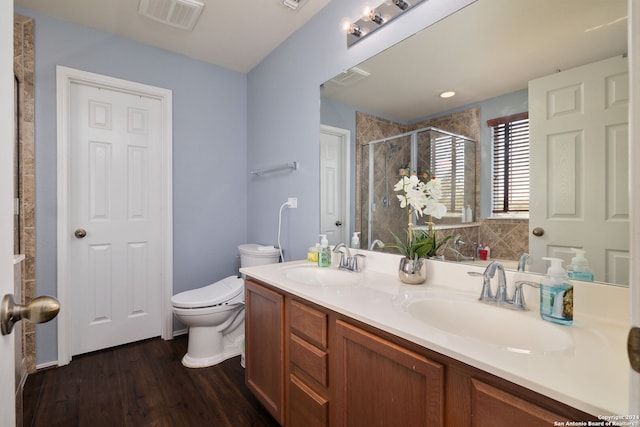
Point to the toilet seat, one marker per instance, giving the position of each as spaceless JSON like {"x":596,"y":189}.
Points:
{"x":226,"y":291}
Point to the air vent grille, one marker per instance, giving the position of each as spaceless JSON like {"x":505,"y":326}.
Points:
{"x":293,"y":4}
{"x":178,"y":13}
{"x":350,"y":76}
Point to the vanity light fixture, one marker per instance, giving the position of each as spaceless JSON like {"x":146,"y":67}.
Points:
{"x":354,"y":30}
{"x":374,"y":18}
{"x":403,"y":5}
{"x":447,"y":94}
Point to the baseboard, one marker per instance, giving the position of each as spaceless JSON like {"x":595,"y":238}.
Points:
{"x":47,"y":365}
{"x":180,"y":332}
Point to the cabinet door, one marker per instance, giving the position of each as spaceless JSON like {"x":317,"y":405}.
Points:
{"x":264,"y":338}
{"x":492,"y":407}
{"x":380,"y":383}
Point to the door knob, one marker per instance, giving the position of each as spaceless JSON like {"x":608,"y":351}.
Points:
{"x":338,"y":223}
{"x":39,"y":310}
{"x":80,"y":233}
{"x":538,"y":231}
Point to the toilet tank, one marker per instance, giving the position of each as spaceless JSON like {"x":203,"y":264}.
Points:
{"x":252,"y":255}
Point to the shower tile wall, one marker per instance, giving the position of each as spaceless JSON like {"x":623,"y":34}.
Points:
{"x":23,"y":45}
{"x":508,"y":238}
{"x":369,"y":128}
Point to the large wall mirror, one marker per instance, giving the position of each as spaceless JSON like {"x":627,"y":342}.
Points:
{"x":492,"y":54}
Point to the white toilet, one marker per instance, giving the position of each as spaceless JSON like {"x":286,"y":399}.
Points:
{"x":215,"y":313}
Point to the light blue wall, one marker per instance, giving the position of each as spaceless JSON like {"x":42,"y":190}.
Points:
{"x":209,"y":151}
{"x":284,"y":113}
{"x":225,"y":124}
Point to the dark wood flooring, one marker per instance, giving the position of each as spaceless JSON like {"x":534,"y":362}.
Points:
{"x":141,"y":384}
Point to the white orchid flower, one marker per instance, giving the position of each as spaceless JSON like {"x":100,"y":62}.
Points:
{"x":435,"y":209}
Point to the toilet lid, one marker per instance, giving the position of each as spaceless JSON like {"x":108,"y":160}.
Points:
{"x":217,"y":293}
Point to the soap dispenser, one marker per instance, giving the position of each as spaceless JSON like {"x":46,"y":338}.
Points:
{"x":556,"y":294}
{"x":579,"y":268}
{"x":355,"y":240}
{"x":324,"y":254}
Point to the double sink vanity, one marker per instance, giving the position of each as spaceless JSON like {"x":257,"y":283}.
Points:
{"x":326,"y":346}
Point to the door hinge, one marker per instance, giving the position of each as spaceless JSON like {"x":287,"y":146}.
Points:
{"x":633,"y":348}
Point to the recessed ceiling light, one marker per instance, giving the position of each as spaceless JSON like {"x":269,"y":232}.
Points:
{"x":447,"y":94}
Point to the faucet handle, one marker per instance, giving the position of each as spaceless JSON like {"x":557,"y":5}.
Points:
{"x":485,"y":294}
{"x":518,"y":301}
{"x":357,"y":262}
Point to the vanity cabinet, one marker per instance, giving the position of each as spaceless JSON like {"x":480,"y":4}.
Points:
{"x":264,"y":347}
{"x":381,"y":383}
{"x":308,"y":340}
{"x":492,"y":406}
{"x":311,"y":367}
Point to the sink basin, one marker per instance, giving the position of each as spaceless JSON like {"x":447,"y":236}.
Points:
{"x":515,"y":331}
{"x":310,"y":274}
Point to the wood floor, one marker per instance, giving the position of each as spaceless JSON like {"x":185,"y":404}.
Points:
{"x":141,"y":384}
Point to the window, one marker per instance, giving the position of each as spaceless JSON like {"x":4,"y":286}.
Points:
{"x":448,"y":160}
{"x":510,"y":163}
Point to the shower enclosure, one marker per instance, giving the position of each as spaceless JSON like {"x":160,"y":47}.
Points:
{"x":449,"y":157}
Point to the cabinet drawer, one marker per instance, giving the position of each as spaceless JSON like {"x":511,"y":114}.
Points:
{"x":309,"y":359}
{"x":308,"y":323}
{"x":306,"y":407}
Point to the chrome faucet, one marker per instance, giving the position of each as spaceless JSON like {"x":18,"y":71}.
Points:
{"x":347,"y":262}
{"x":486,"y":295}
{"x":458,"y":244}
{"x":375,"y":243}
{"x":525,"y":259}
{"x":518,"y":302}
{"x":502,"y":298}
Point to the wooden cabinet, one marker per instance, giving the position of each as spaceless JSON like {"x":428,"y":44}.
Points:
{"x":264,"y":347}
{"x":313,"y":367}
{"x":381,"y":383}
{"x":308,"y":402}
{"x":492,"y":407}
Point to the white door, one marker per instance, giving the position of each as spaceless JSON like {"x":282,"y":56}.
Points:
{"x":579,"y":135}
{"x":634,"y":159}
{"x":115,"y":217}
{"x":334,"y":185}
{"x":7,"y":354}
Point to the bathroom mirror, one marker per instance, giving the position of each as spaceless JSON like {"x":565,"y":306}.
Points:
{"x":487,"y":53}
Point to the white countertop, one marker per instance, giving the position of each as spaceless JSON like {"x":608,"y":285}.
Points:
{"x":592,"y":375}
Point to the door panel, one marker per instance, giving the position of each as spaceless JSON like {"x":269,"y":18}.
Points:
{"x":115,"y":196}
{"x":7,"y":346}
{"x":579,"y":167}
{"x":334,"y":215}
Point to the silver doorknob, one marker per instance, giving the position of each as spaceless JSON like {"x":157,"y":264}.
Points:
{"x":80,"y":233}
{"x":538,"y":231}
{"x":39,"y":310}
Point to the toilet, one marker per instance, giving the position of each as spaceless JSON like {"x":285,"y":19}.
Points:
{"x":214,"y":313}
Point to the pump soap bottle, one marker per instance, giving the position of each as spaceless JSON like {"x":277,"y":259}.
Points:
{"x":556,"y":294}
{"x":579,"y":268}
{"x":324,"y":254}
{"x":355,"y":240}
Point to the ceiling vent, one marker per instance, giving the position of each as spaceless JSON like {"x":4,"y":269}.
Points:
{"x":181,"y":14}
{"x":350,"y":76}
{"x":293,"y":4}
